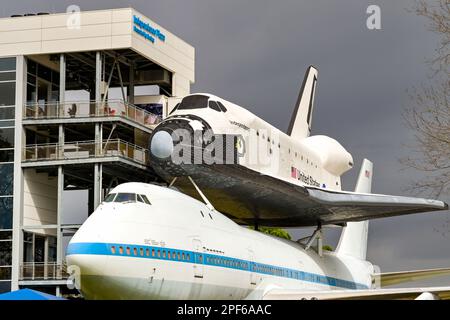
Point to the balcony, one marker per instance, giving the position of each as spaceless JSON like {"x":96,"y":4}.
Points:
{"x":82,"y":150}
{"x":38,"y":271}
{"x":90,"y":109}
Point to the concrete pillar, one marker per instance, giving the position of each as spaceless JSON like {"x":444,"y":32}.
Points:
{"x":98,"y":80}
{"x":97,"y":140}
{"x":100,"y":165}
{"x":131,"y":85}
{"x":100,"y":172}
{"x":60,"y":190}
{"x":98,"y":131}
{"x":97,"y":184}
{"x":19,"y":143}
{"x":61,"y":139}
{"x":180,"y":86}
{"x":100,"y":138}
{"x":62,"y":83}
{"x":62,"y":97}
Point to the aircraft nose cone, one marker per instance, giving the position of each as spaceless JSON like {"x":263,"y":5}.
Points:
{"x":161,"y":145}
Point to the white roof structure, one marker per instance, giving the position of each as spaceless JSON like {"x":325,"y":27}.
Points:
{"x":100,"y":30}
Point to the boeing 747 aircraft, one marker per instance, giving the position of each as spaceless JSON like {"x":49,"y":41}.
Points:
{"x":151,"y":242}
{"x":256,"y":174}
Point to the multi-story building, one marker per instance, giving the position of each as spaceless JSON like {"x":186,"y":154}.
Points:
{"x":80,"y":94}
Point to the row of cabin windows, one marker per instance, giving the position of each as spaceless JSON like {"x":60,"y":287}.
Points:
{"x":154,"y":253}
{"x":268,"y":269}
{"x":126,"y":197}
{"x":291,"y":274}
{"x":221,"y":261}
{"x":279,"y":146}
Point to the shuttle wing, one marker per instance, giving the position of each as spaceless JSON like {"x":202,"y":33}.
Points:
{"x":245,"y":195}
{"x":431,"y":293}
{"x":339,"y":206}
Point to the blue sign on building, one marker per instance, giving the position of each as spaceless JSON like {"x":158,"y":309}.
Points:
{"x":146,"y":30}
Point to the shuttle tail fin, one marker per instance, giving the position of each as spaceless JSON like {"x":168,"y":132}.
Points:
{"x":353,"y":239}
{"x":300,"y":125}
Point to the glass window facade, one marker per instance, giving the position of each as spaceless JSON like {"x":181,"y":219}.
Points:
{"x":6,"y":210}
{"x":6,"y":183}
{"x":6,"y":137}
{"x":7,"y":113}
{"x":8,"y":64}
{"x":7,"y":93}
{"x":42,"y":84}
{"x":6,"y":155}
{"x":7,"y":125}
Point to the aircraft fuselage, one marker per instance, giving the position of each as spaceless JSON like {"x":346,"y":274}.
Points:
{"x":175,"y":247}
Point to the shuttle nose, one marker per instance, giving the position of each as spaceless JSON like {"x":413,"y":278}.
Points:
{"x":161,"y":145}
{"x":176,"y":143}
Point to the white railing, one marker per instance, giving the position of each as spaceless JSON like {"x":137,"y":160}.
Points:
{"x":43,"y":271}
{"x":85,"y":149}
{"x":88,"y":109}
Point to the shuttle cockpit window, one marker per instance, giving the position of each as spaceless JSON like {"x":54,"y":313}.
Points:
{"x":193,"y":102}
{"x":222,"y":107}
{"x":213,"y":105}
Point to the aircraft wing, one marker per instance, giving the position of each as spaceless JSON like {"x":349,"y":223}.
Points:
{"x":245,"y":195}
{"x":350,"y":206}
{"x":431,"y":293}
{"x":392,"y":278}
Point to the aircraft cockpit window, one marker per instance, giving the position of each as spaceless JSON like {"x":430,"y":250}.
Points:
{"x":222,"y":107}
{"x":110,"y":197}
{"x":139,"y":198}
{"x":213,"y":105}
{"x":144,"y":197}
{"x":194,"y":102}
{"x":125,"y":197}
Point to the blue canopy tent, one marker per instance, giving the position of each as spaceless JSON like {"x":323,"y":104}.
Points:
{"x":28,"y":294}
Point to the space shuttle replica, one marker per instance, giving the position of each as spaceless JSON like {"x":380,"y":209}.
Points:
{"x":256,"y":174}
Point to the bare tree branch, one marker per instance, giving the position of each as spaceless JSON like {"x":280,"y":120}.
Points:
{"x":428,"y":115}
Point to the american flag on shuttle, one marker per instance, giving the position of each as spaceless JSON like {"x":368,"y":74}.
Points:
{"x":293,"y":172}
{"x":367,"y":174}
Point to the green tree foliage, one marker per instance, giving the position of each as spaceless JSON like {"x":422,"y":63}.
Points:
{"x":277,"y":232}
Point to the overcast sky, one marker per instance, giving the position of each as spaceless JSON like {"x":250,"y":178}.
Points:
{"x":255,"y":53}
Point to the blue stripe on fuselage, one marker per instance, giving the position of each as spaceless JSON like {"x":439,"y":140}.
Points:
{"x":177,"y":255}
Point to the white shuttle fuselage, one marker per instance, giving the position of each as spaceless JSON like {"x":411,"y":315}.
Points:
{"x":274,"y":178}
{"x":151,"y":242}
{"x":317,"y":161}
